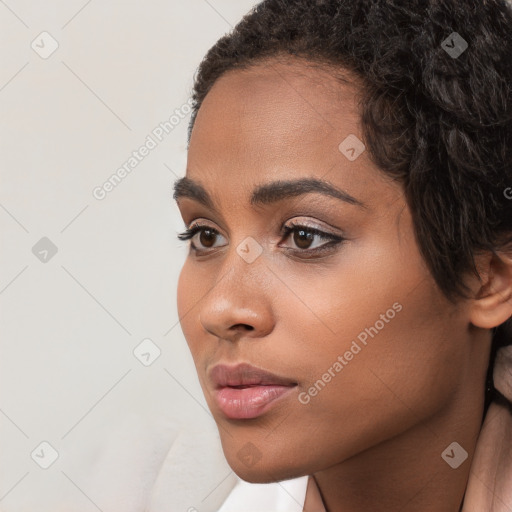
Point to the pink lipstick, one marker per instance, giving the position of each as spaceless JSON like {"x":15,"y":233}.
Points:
{"x":245,"y":391}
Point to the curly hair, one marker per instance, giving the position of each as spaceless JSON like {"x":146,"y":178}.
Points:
{"x":436,"y":108}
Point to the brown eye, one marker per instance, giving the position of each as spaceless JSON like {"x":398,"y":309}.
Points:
{"x":207,"y":237}
{"x":303,"y":238}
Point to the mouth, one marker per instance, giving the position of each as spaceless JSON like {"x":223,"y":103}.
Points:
{"x":244,"y":391}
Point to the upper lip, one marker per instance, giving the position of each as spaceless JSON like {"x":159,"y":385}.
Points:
{"x":244,"y":374}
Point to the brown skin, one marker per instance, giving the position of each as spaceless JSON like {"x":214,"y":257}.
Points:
{"x":374,"y":435}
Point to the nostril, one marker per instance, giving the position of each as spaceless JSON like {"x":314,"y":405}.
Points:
{"x":244,"y":326}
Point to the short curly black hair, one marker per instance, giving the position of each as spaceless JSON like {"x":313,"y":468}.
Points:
{"x":436,"y":107}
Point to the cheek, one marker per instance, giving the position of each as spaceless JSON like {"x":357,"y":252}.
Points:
{"x":404,"y":374}
{"x":380,"y":311}
{"x":183,"y":288}
{"x":189,"y":295}
{"x":381,"y":360}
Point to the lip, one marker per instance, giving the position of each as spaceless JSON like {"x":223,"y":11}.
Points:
{"x":244,"y":391}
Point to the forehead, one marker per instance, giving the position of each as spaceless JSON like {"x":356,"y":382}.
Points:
{"x":276,"y":104}
{"x":280,"y":119}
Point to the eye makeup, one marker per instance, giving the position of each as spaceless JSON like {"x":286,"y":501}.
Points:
{"x":302,"y":234}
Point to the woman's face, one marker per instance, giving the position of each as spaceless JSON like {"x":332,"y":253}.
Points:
{"x":361,"y":328}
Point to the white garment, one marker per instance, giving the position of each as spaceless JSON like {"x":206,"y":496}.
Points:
{"x":284,"y":496}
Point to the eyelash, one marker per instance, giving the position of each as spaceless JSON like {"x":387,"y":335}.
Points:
{"x":286,"y":231}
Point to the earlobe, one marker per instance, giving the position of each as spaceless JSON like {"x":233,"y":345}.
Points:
{"x":492,"y":303}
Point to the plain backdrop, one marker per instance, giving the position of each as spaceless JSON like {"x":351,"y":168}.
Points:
{"x":85,"y":280}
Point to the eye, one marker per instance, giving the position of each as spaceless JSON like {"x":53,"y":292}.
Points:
{"x":303,"y":238}
{"x":207,"y":235}
{"x":305,"y":235}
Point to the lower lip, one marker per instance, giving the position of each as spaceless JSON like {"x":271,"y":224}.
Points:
{"x":249,"y":402}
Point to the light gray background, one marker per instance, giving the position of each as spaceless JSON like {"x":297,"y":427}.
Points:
{"x":70,"y":324}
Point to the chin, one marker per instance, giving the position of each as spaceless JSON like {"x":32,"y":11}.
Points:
{"x":264,"y":474}
{"x":251,"y":465}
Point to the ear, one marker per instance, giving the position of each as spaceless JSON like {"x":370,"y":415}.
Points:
{"x":492,"y":302}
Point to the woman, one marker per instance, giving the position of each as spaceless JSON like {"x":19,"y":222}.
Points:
{"x":349,"y":281}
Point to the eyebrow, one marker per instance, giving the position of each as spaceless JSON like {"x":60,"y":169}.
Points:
{"x":267,"y":193}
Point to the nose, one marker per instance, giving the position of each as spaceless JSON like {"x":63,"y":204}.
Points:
{"x":239,"y":302}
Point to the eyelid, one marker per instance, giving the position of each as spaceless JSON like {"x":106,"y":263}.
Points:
{"x":195,"y":227}
{"x":318,"y":232}
{"x":294,"y":225}
{"x":297,"y":222}
{"x":293,"y":222}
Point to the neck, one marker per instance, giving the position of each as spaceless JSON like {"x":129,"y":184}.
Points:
{"x":407,"y":472}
